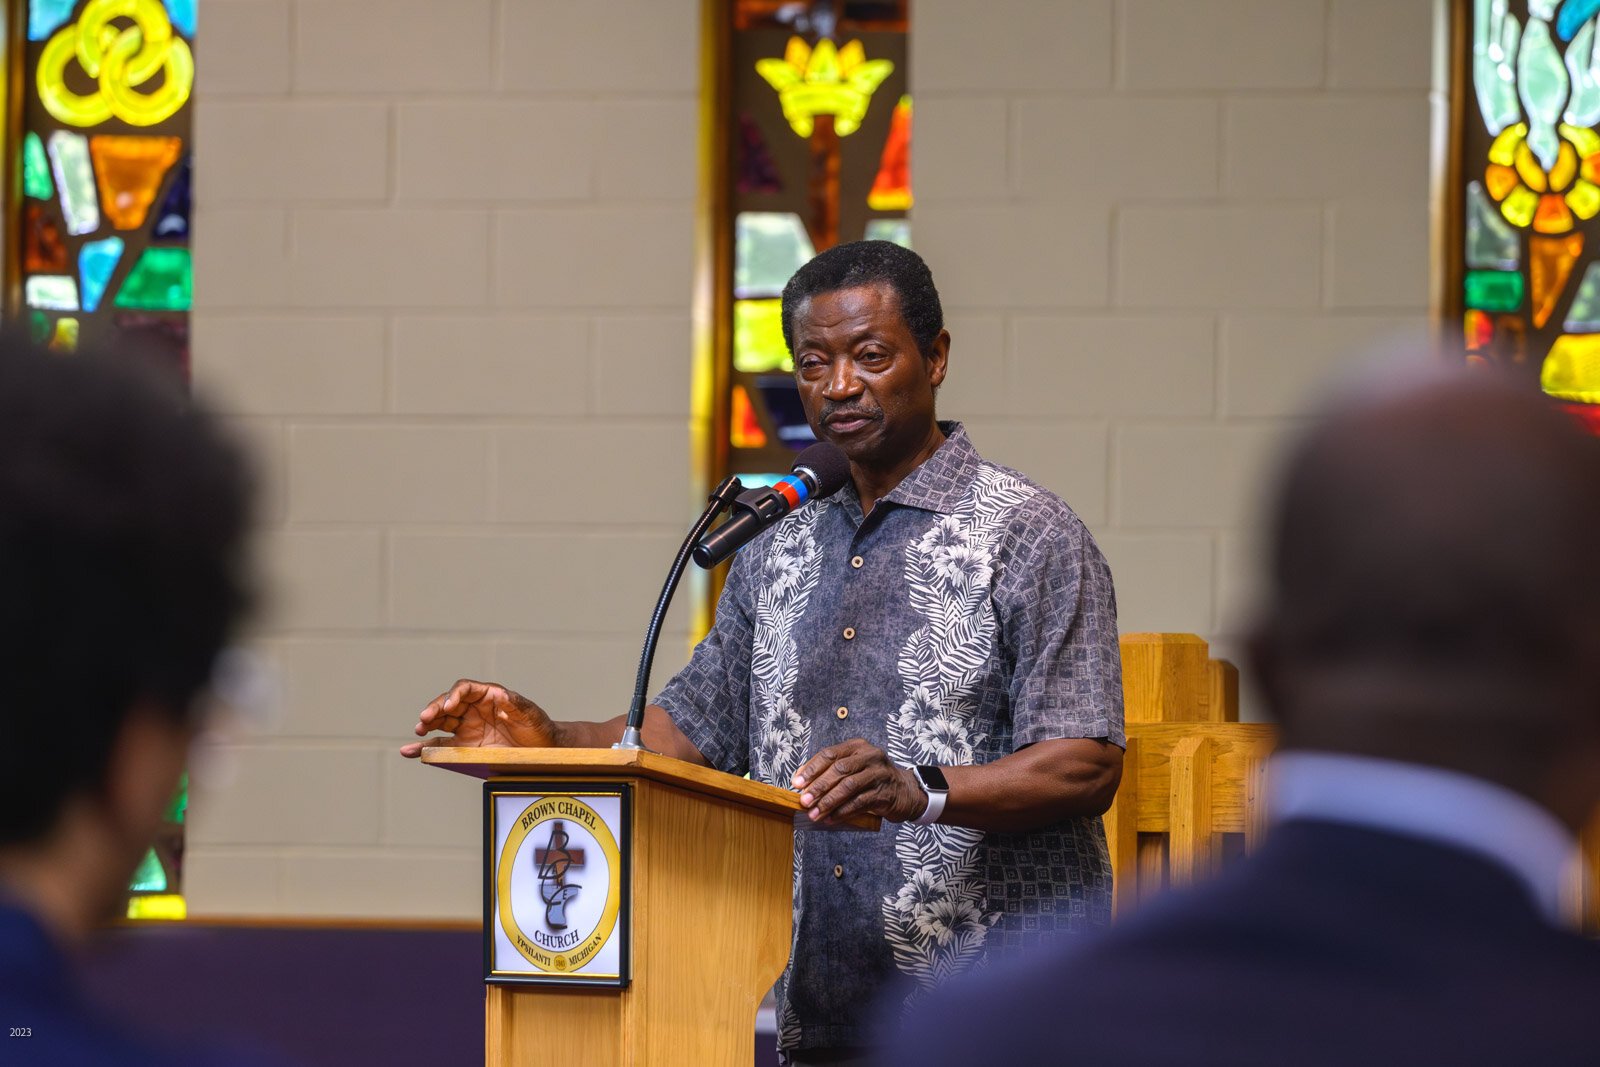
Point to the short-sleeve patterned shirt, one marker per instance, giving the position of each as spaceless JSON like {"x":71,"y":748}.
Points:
{"x":969,"y":615}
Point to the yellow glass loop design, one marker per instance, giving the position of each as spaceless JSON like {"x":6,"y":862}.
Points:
{"x":121,"y":60}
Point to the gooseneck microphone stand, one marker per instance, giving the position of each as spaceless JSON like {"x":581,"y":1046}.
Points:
{"x":721,"y":499}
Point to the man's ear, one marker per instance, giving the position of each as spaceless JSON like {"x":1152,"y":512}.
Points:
{"x":143,"y":770}
{"x":938,"y":357}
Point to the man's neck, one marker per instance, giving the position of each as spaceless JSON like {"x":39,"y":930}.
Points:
{"x":873,"y":484}
{"x":58,"y":880}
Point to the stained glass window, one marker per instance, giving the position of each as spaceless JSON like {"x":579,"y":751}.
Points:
{"x":1525,"y":191}
{"x":103,"y":221}
{"x":105,"y":175}
{"x":814,"y":110}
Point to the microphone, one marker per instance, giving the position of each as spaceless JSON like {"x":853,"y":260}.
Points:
{"x":821,"y":470}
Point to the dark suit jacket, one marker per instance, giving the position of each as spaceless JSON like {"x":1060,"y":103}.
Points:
{"x":1331,"y":945}
{"x":47,"y":1022}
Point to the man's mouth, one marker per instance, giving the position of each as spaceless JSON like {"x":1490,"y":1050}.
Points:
{"x":847,"y":421}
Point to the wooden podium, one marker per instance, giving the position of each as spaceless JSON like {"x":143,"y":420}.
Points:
{"x":706,"y":866}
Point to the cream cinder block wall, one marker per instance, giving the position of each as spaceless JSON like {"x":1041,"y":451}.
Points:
{"x":1157,"y":226}
{"x":444,"y":260}
{"x":443,"y":269}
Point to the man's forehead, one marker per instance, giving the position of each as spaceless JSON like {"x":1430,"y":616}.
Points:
{"x":873,"y":305}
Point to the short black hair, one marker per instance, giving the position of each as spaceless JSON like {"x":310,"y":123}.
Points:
{"x":858,"y":263}
{"x":124,"y":515}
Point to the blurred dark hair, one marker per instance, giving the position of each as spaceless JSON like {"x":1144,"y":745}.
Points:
{"x":1433,"y":594}
{"x":859,"y":263}
{"x":124,"y":513}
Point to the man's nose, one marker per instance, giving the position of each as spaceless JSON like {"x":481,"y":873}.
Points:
{"x":842,"y":382}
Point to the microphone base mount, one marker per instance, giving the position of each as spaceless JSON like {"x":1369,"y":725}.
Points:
{"x":632,"y":739}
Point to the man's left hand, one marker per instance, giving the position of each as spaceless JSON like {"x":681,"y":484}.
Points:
{"x":856,"y":778}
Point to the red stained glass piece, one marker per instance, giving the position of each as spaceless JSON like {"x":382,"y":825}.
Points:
{"x":746,"y":430}
{"x":891,"y":189}
{"x":43,"y":252}
{"x":1479,"y":329}
{"x":1587,"y":415}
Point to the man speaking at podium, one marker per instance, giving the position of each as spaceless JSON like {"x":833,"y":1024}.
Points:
{"x":936,"y":644}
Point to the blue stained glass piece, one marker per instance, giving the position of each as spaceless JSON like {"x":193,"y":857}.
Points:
{"x":1574,"y":13}
{"x":47,"y":16}
{"x":181,"y":12}
{"x":172,"y":221}
{"x":782,"y":398}
{"x":96,"y":262}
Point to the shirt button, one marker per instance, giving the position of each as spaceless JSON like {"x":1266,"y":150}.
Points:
{"x":843,"y":713}
{"x":849,"y":633}
{"x":838,"y":870}
{"x":856,"y":562}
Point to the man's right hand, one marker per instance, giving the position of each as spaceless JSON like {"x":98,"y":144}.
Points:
{"x":482,"y":714}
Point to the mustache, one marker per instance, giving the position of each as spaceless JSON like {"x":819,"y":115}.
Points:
{"x":850,"y":411}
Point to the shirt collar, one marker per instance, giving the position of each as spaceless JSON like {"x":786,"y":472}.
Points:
{"x":1439,"y":805}
{"x":939,"y":484}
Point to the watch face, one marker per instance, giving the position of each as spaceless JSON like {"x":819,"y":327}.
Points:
{"x":933,"y":779}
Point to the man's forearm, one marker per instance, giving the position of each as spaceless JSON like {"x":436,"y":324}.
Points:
{"x":660,"y":734}
{"x":1039,"y":785}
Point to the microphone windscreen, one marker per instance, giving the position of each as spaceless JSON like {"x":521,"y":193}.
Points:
{"x":828,"y":464}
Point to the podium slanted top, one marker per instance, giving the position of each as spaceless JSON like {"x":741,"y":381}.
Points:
{"x":503,"y":762}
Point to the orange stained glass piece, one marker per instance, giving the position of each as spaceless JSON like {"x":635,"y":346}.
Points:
{"x":1572,"y":369}
{"x":1584,"y":199}
{"x":1591,"y":169}
{"x":1566,"y":167}
{"x":1499,"y":180}
{"x":43,"y":250}
{"x":1479,"y":329}
{"x":745,"y":431}
{"x":129,"y":171}
{"x":1553,"y":216}
{"x":891,"y":189}
{"x":1550,"y":261}
{"x":1528,"y":169}
{"x":1504,"y":149}
{"x":1518,"y":208}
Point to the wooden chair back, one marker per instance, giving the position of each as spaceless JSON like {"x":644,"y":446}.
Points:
{"x":1193,"y":779}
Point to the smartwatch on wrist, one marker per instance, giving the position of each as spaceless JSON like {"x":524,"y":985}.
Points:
{"x":938,"y":790}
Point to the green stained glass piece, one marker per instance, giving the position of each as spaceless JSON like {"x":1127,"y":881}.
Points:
{"x":1491,"y":242}
{"x":36,"y":169}
{"x":150,"y":877}
{"x":1494,"y":290}
{"x":896,"y":230}
{"x":1584,"y":315}
{"x":758,"y":344}
{"x":768,"y":247}
{"x":162,"y":280}
{"x":38,"y":327}
{"x":179,"y":808}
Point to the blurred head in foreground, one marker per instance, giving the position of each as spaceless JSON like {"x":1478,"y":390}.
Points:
{"x":123,"y":520}
{"x":1434,"y":593}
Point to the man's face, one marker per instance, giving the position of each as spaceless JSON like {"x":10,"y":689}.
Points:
{"x":865,"y":385}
